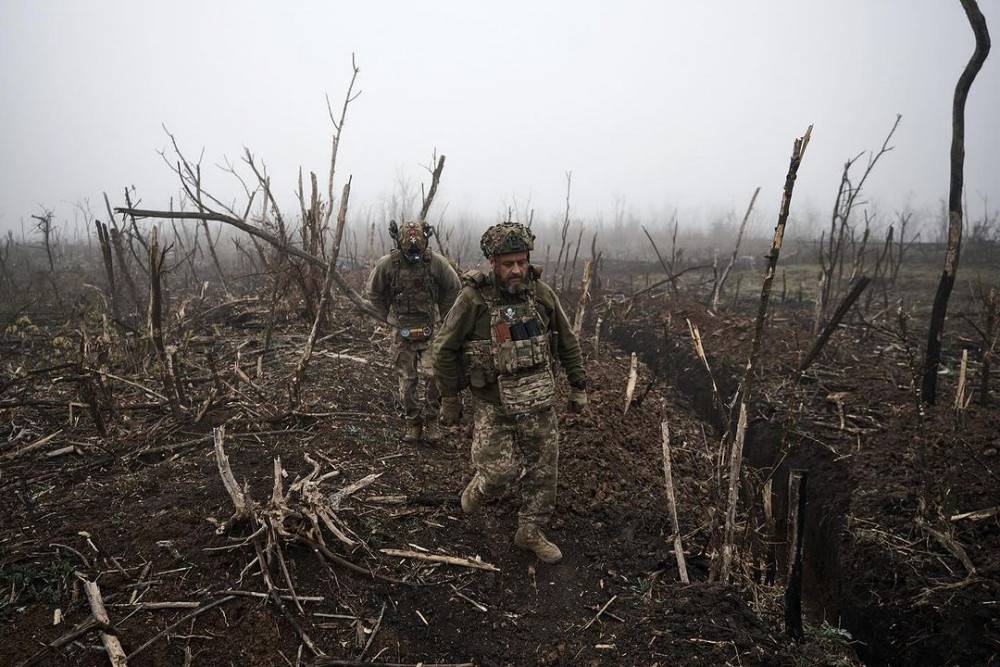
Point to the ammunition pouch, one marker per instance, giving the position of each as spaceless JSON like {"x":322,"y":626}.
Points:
{"x":477,"y":360}
{"x":529,"y":392}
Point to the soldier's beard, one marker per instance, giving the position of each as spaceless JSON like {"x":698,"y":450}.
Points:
{"x":516,"y":290}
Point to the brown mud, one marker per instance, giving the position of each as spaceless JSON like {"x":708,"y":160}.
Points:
{"x":869,"y":567}
{"x":137,"y":520}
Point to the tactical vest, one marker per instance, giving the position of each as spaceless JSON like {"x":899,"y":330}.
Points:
{"x":414,"y":298}
{"x":518,"y":356}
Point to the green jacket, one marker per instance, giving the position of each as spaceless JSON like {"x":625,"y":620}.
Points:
{"x":443,"y":289}
{"x":469,"y":319}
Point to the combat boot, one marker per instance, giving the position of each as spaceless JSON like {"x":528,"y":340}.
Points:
{"x":413,"y":432}
{"x":432,"y":432}
{"x":472,"y":497}
{"x":531,"y":537}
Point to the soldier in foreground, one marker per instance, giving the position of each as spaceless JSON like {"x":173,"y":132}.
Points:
{"x":500,"y":339}
{"x":412,"y":287}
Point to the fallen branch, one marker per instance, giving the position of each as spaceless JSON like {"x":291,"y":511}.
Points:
{"x":831,"y":326}
{"x":977,"y":515}
{"x":337,"y":662}
{"x":28,"y":448}
{"x":599,"y":612}
{"x":79,"y":630}
{"x":182,"y":619}
{"x":447,"y":560}
{"x":116,"y":654}
{"x":949,"y":543}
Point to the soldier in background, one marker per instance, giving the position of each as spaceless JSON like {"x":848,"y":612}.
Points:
{"x":413,"y":287}
{"x":500,"y":339}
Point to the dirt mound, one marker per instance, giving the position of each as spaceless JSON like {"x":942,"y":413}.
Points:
{"x":887,"y":546}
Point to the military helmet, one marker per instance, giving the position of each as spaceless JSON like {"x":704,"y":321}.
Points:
{"x":506,"y":238}
{"x":411,"y":237}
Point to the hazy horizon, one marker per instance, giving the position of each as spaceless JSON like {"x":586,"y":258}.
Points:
{"x":659,"y":106}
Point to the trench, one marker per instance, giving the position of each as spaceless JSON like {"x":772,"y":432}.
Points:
{"x":829,"y":485}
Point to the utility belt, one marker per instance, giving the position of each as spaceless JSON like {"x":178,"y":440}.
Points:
{"x":416,"y":333}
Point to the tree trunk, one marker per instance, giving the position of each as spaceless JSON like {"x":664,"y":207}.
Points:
{"x":928,"y":389}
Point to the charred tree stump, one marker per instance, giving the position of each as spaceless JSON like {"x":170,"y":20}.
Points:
{"x":796,"y":521}
{"x":932,"y":359}
{"x":104,"y":238}
{"x":170,"y":383}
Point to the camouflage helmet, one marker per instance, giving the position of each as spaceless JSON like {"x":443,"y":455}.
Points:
{"x":411,"y":237}
{"x":505,"y":238}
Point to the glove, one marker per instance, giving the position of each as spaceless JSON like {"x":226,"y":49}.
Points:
{"x":577,"y":401}
{"x":451,"y":411}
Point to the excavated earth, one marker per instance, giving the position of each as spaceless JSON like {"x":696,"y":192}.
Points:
{"x":137,"y":521}
{"x":870,"y":568}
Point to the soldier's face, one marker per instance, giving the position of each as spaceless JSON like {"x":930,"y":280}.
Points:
{"x":511,"y":269}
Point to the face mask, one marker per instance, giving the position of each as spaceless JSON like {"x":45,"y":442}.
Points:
{"x":412,"y":240}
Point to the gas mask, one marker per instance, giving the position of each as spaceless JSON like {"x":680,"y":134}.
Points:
{"x":411,"y":238}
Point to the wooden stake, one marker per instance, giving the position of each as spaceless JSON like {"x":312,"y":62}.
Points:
{"x":960,"y":390}
{"x":796,"y":522}
{"x":633,"y":377}
{"x":672,"y":499}
{"x":581,"y":307}
{"x":735,"y":465}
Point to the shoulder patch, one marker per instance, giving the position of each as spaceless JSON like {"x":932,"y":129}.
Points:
{"x":474,"y":278}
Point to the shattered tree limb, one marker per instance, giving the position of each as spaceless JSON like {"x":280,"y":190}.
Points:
{"x":717,"y":290}
{"x":672,"y":498}
{"x":831,"y":326}
{"x":744,"y":394}
{"x":300,"y":369}
{"x":244,"y":226}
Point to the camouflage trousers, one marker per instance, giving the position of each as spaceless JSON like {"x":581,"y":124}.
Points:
{"x":413,"y":364}
{"x":503,"y":444}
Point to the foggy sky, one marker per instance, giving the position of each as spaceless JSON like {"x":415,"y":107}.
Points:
{"x":660,"y":104}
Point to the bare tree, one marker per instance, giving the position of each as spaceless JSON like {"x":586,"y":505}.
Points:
{"x":831,"y":257}
{"x":932,"y":359}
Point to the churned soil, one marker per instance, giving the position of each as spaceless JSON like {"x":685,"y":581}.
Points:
{"x":137,"y":520}
{"x":888,"y":481}
{"x":138,"y":514}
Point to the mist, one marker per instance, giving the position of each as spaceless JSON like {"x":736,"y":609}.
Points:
{"x":656,"y":108}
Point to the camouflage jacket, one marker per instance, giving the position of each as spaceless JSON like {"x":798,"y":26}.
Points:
{"x":470,"y":320}
{"x":393,"y":280}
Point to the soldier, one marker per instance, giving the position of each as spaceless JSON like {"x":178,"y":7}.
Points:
{"x":500,"y":339}
{"x":412,"y":287}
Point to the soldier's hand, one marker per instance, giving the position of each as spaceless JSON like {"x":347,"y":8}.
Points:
{"x":451,"y":411}
{"x":577,"y":401}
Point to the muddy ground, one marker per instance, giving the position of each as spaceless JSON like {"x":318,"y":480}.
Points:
{"x":138,"y":521}
{"x":871,"y":567}
{"x":134,"y":511}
